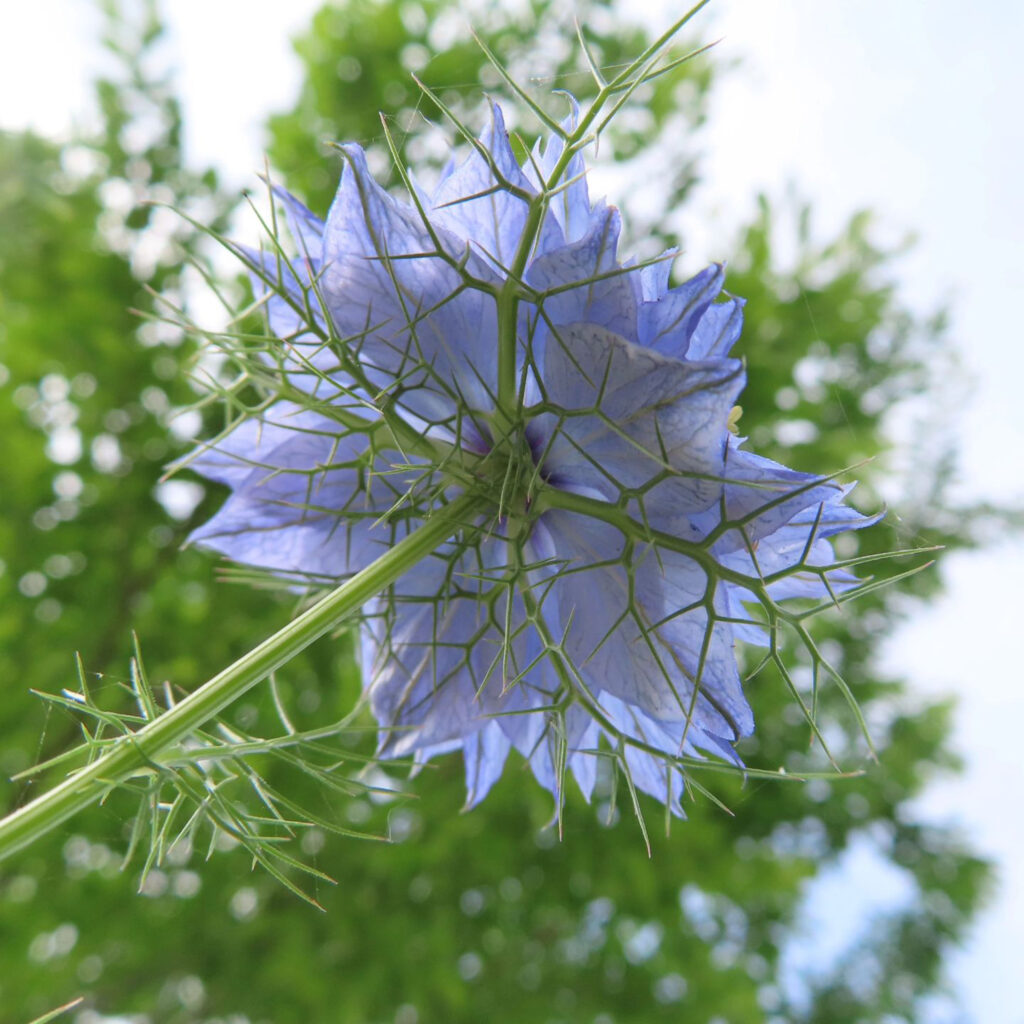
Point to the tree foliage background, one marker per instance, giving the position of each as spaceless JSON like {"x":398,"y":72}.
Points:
{"x":464,"y":917}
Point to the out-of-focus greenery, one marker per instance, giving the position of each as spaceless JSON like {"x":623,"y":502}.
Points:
{"x":483,"y":916}
{"x":359,"y":58}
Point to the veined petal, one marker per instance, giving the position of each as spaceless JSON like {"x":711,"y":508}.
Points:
{"x":474,"y":201}
{"x":699,"y":644}
{"x":292,"y":304}
{"x":762,"y":496}
{"x":307,"y":229}
{"x":447,"y":658}
{"x":300,"y":503}
{"x":803,"y":541}
{"x":433,"y":657}
{"x":636,"y":419}
{"x":646,"y":772}
{"x":637,"y":628}
{"x":484,"y":752}
{"x":401,"y":307}
{"x":570,"y":205}
{"x":584,"y":734}
{"x":668,"y":322}
{"x":655,"y":775}
{"x":582,"y":282}
{"x":655,"y":276}
{"x":717,"y":330}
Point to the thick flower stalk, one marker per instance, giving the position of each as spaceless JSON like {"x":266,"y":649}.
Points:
{"x":484,"y":337}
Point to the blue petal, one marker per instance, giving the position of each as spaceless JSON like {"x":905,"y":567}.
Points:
{"x":701,"y":652}
{"x":762,"y":496}
{"x":539,"y":745}
{"x":443,"y":668}
{"x":583,"y":735}
{"x":433,"y":658}
{"x":401,"y":308}
{"x":474,"y":203}
{"x":655,"y":276}
{"x":717,"y":330}
{"x":439,"y":672}
{"x":289,"y":293}
{"x":652,"y":774}
{"x":637,"y":416}
{"x":571,"y":204}
{"x":605,"y":301}
{"x":288,"y":286}
{"x":667,"y":324}
{"x":647,"y":773}
{"x":305,"y":227}
{"x":626,"y":635}
{"x":484,"y":753}
{"x":803,"y":541}
{"x":298,"y":504}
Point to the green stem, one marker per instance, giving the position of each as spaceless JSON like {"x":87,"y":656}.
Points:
{"x":508,"y":296}
{"x":141,"y":749}
{"x":614,"y":515}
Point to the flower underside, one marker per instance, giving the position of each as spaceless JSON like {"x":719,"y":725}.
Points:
{"x":483,"y":337}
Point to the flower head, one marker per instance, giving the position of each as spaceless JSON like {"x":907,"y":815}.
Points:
{"x":485,"y":336}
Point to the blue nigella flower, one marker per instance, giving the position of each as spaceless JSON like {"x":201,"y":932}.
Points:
{"x":595,"y":609}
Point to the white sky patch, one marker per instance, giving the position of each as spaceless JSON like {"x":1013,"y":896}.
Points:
{"x":179,"y":497}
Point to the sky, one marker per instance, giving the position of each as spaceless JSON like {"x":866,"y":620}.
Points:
{"x":910,"y":108}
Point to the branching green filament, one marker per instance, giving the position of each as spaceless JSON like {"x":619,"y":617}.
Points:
{"x":145,"y":748}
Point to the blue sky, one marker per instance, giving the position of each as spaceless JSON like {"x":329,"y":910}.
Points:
{"x":911,"y":108}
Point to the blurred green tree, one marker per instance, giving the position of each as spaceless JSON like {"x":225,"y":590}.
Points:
{"x":478,"y":916}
